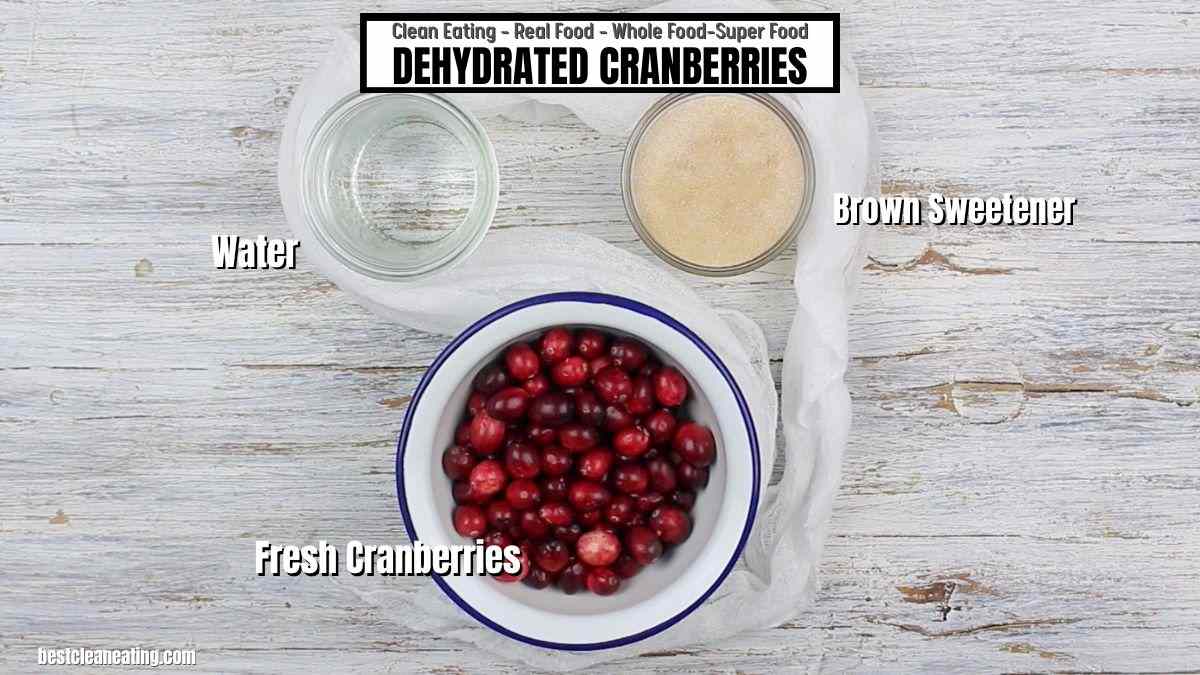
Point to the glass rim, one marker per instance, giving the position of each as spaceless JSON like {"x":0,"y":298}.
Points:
{"x":799,"y":221}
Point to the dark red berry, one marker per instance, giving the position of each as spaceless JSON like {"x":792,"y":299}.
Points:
{"x":538,"y":578}
{"x":691,"y":477}
{"x":598,"y":548}
{"x":671,"y":524}
{"x":501,"y":515}
{"x":491,"y":379}
{"x":626,"y":567}
{"x":616,"y":419}
{"x":533,"y":526}
{"x":457,"y":462}
{"x":621,"y":510}
{"x":523,"y":494}
{"x":552,"y":555}
{"x":586,"y":495}
{"x":661,"y":425}
{"x":612,"y":385}
{"x":556,"y":461}
{"x":461,"y":491}
{"x":578,"y":437}
{"x":594,"y":464}
{"x":603,"y":581}
{"x":631,"y":478}
{"x":497,"y":538}
{"x":522,"y":460}
{"x":573,"y":579}
{"x":469,"y":521}
{"x":695,"y":444}
{"x":570,"y":372}
{"x":685,"y":499}
{"x":649,"y":501}
{"x":588,"y":408}
{"x":476,"y":402}
{"x":536,"y":385}
{"x":487,"y":434}
{"x":591,"y":343}
{"x":509,"y":404}
{"x":670,"y":387}
{"x":631,"y":442}
{"x":487,"y":478}
{"x":628,"y":354}
{"x":662,"y":475}
{"x":524,"y":570}
{"x":590,"y":518}
{"x":643,"y":544}
{"x":555,"y":489}
{"x":556,"y":514}
{"x":552,"y":409}
{"x":641,"y":399}
{"x":598,"y":364}
{"x":569,"y":533}
{"x":521,"y":361}
{"x":556,"y":345}
{"x":462,"y":435}
{"x":543,"y":436}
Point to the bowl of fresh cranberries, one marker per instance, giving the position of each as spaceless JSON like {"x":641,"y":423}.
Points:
{"x":602,"y":437}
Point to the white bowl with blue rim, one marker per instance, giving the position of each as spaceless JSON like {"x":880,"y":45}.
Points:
{"x":664,"y":592}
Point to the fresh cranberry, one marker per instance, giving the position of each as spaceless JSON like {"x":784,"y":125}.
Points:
{"x":643,"y":544}
{"x":577,"y":437}
{"x":590,"y":518}
{"x":487,"y":434}
{"x":695,"y":444}
{"x":461,"y":491}
{"x":522,"y":460}
{"x":626,"y":567}
{"x":671,"y":524}
{"x":556,"y":514}
{"x":621,"y":510}
{"x":591,"y":343}
{"x":569,"y":533}
{"x":491,"y":379}
{"x":670,"y":387}
{"x":556,"y":345}
{"x":509,"y":404}
{"x":586,"y":495}
{"x":533,"y":526}
{"x":538,"y":578}
{"x":631,"y":442}
{"x":588,"y":408}
{"x":649,"y":501}
{"x":462,"y":435}
{"x":552,"y":555}
{"x":612,"y":385}
{"x":603,"y":581}
{"x":469,"y":521}
{"x":457,"y":462}
{"x":649,"y":368}
{"x":536,"y":385}
{"x":573,"y":579}
{"x":685,"y":499}
{"x":631,"y":478}
{"x":522,"y":362}
{"x":487,"y":478}
{"x":662,"y":475}
{"x":570,"y":372}
{"x":616,"y":419}
{"x":628,"y":354}
{"x":543,"y":436}
{"x":691,"y":477}
{"x":521,"y":574}
{"x":523,"y":494}
{"x":556,"y":461}
{"x":598,"y":364}
{"x":594,"y":464}
{"x":556,"y":488}
{"x":661,"y":425}
{"x":497,"y":538}
{"x":598,"y":548}
{"x":501,"y":515}
{"x":476,"y":402}
{"x":552,"y":409}
{"x":641,"y":400}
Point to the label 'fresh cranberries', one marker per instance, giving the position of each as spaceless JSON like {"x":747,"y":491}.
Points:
{"x":577,"y":447}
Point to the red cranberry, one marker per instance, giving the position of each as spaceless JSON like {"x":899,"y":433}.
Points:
{"x":626,"y":567}
{"x":598,"y":364}
{"x":616,"y":419}
{"x":628,"y":354}
{"x":603,"y":581}
{"x":577,"y":437}
{"x":569,"y":533}
{"x":692,"y":477}
{"x":487,"y":478}
{"x":649,"y":368}
{"x":594,"y":464}
{"x":591,"y":343}
{"x":662,"y":475}
{"x":536,"y":385}
{"x":621,"y":510}
{"x":695,"y":444}
{"x":476,"y":402}
{"x":497,"y":538}
{"x":556,"y":514}
{"x":487,"y":434}
{"x":521,"y":361}
{"x":491,"y":379}
{"x":523,"y":494}
{"x":570,"y":372}
{"x":556,"y":345}
{"x":661,"y":425}
{"x":631,"y":478}
{"x":671,"y":524}
{"x":556,"y":461}
{"x":552,"y":409}
{"x":643,"y":544}
{"x":590,"y":518}
{"x":685,"y":499}
{"x":501,"y":515}
{"x":670,"y":387}
{"x":588,"y":408}
{"x":586,"y":495}
{"x":612,"y":385}
{"x":522,"y":460}
{"x":457,"y":462}
{"x":543,"y":436}
{"x":524,"y":570}
{"x":556,"y":489}
{"x":631,"y":442}
{"x":533,"y":526}
{"x":649,"y":501}
{"x":469,"y":521}
{"x":641,"y":400}
{"x":508,"y":404}
{"x":552,"y":555}
{"x":572,"y":579}
{"x":598,"y":548}
{"x":462,"y":435}
{"x":461,"y":491}
{"x":538,"y":578}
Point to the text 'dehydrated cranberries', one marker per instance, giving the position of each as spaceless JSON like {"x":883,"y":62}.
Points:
{"x":576,"y":446}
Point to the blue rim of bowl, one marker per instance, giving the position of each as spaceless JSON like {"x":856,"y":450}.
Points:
{"x":602,"y":299}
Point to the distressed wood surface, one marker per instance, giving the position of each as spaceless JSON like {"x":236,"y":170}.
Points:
{"x":1022,"y":484}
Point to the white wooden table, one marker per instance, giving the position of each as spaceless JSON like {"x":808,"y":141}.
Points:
{"x":1022,"y":486}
